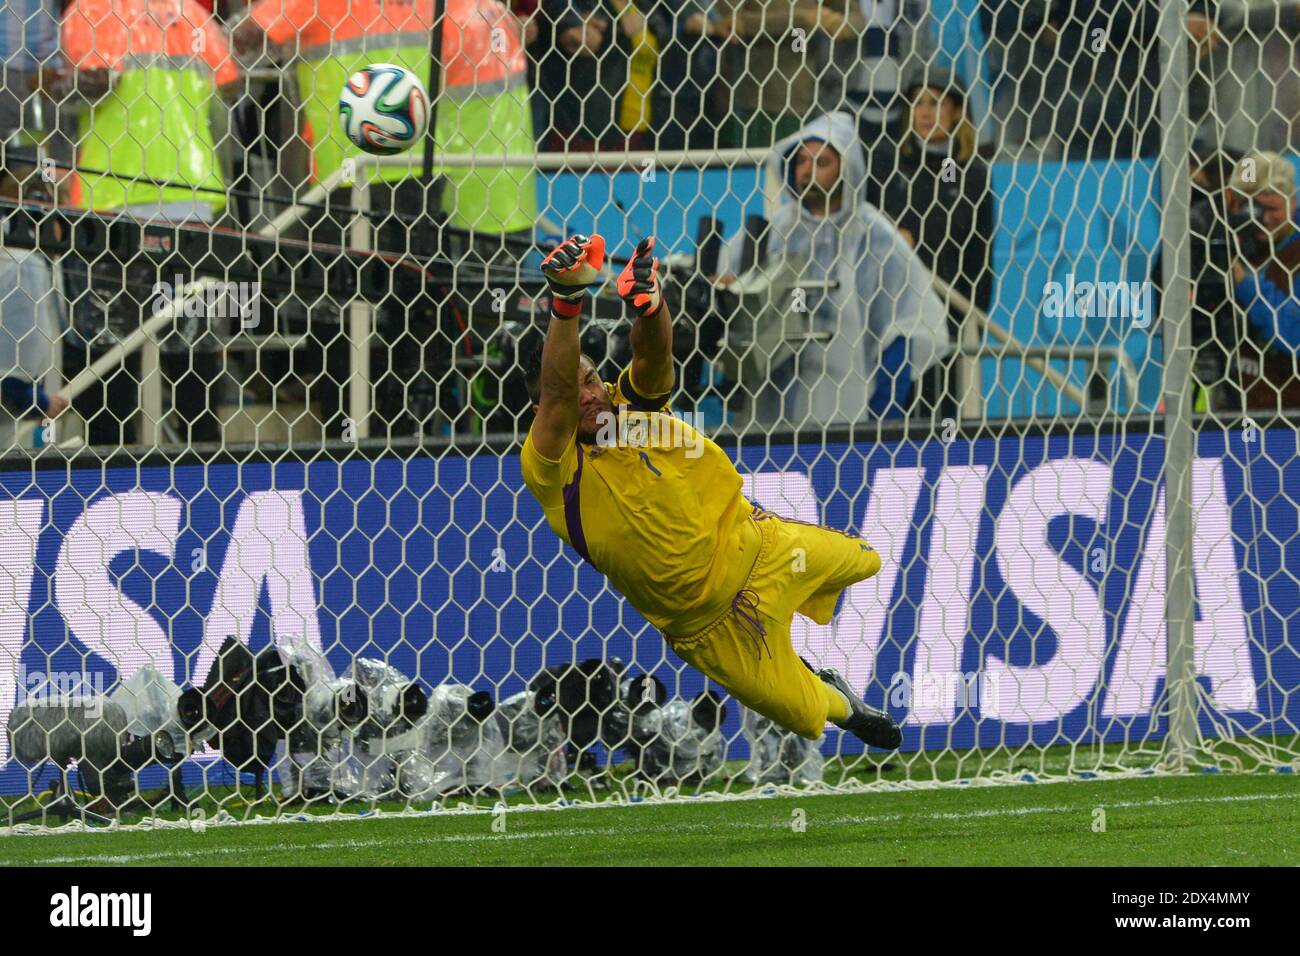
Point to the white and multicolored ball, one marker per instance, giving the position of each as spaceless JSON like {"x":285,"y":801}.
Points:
{"x":384,"y":109}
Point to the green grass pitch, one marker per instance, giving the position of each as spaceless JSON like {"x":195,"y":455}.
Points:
{"x":1197,"y":819}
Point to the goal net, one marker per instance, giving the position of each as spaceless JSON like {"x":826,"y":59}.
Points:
{"x":1009,"y":290}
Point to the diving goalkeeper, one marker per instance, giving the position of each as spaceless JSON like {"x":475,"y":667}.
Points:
{"x":657,"y":508}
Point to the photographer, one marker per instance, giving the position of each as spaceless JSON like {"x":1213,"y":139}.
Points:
{"x":1261,"y":212}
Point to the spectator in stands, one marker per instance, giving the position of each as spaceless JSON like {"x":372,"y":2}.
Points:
{"x":152,"y":149}
{"x":1247,"y":69}
{"x":885,"y":323}
{"x":688,"y":114}
{"x":29,"y":311}
{"x":939,"y":195}
{"x":1266,"y":283}
{"x":602,"y":80}
{"x":529,"y":13}
{"x":581,"y":71}
{"x":771,"y":67}
{"x":865,"y":66}
{"x":1078,"y":79}
{"x":1020,"y":48}
{"x":618,"y":74}
{"x":1105,"y":73}
{"x":645,"y":31}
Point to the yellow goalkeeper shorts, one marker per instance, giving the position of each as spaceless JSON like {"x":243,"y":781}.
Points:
{"x":799,"y":568}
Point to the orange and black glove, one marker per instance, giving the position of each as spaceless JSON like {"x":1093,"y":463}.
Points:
{"x":638,"y":284}
{"x":570,"y":268}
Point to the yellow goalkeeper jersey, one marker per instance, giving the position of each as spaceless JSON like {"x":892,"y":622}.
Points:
{"x":656,"y":507}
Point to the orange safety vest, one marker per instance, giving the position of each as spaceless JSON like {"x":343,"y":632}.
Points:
{"x":151,"y":136}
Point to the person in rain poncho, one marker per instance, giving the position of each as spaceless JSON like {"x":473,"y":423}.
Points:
{"x":885,"y":322}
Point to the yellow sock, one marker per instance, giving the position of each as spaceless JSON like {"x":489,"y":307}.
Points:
{"x":837,"y":706}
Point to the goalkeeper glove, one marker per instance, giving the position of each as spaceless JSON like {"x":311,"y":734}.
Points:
{"x":571,"y":267}
{"x":638,"y":285}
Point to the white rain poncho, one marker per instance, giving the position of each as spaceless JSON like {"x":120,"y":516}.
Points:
{"x":623,"y":724}
{"x":384,"y":760}
{"x":149,"y":701}
{"x":353,"y":741}
{"x":534,"y":744}
{"x":676,"y":744}
{"x":778,"y":756}
{"x":883,"y":292}
{"x":462,"y":743}
{"x":316,"y":744}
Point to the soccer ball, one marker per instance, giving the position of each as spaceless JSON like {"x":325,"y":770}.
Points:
{"x":384,"y":109}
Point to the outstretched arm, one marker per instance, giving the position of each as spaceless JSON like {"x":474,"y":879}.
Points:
{"x":652,"y":330}
{"x":652,"y":353}
{"x":557,"y":409}
{"x":569,"y":269}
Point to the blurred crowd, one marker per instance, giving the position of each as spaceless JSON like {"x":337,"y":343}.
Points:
{"x":1071,"y":77}
{"x":182,"y":111}
{"x":1059,"y":78}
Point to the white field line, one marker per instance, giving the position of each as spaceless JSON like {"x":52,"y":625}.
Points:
{"x":643,"y":796}
{"x":814,"y":822}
